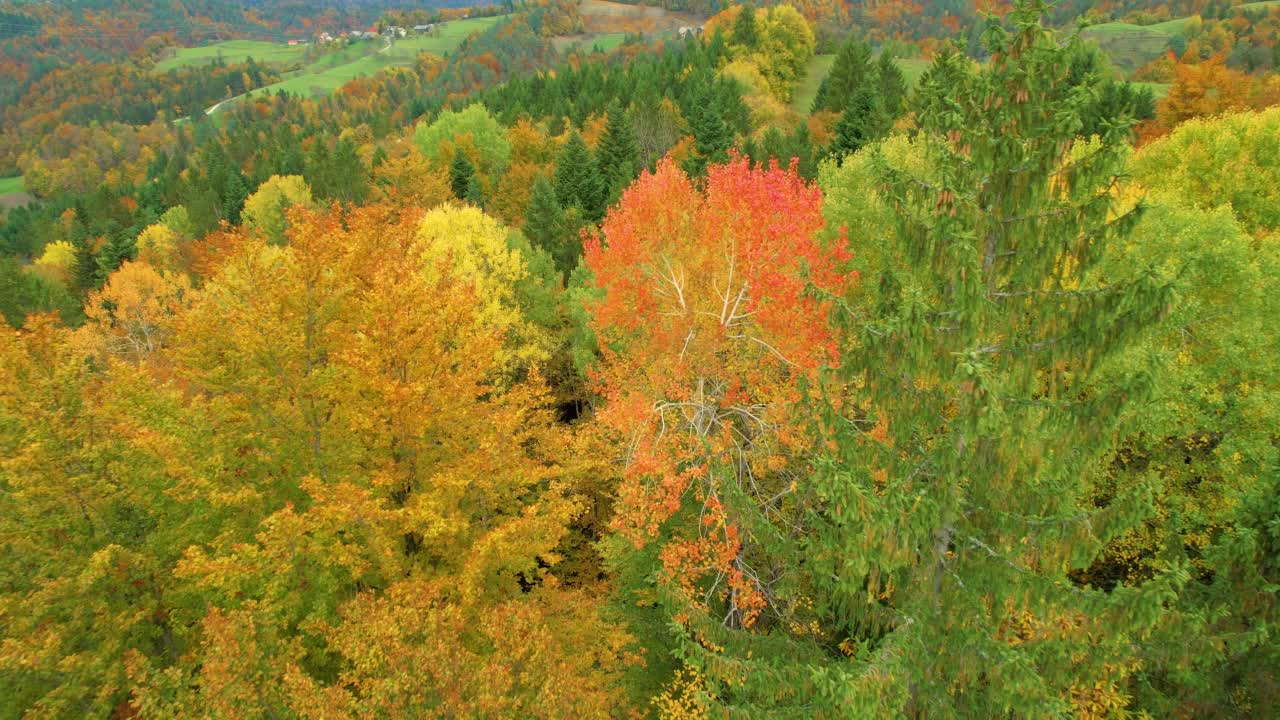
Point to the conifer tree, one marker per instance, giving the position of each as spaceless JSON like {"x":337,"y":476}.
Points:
{"x":577,"y":180}
{"x":863,"y":122}
{"x":545,"y":226}
{"x":619,"y":153}
{"x":460,"y":174}
{"x":949,"y":502}
{"x":745,"y":34}
{"x":711,"y":138}
{"x":852,"y":69}
{"x":981,"y":409}
{"x":475,"y":195}
{"x":891,"y":86}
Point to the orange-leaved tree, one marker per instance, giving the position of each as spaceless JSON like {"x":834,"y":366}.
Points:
{"x":712,"y":315}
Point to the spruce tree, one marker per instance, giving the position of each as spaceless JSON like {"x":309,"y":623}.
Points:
{"x":475,"y":195}
{"x":119,"y":248}
{"x":982,"y":409}
{"x":851,"y":70}
{"x":545,"y":226}
{"x":460,"y":173}
{"x":946,"y":515}
{"x":619,"y":153}
{"x":862,"y":123}
{"x":712,"y":138}
{"x":577,"y":180}
{"x":745,"y":34}
{"x":891,"y":86}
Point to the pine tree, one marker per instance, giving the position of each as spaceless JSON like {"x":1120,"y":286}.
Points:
{"x":851,"y":70}
{"x":119,"y":248}
{"x":930,"y":574}
{"x":460,"y":173}
{"x":577,"y":179}
{"x":711,"y":138}
{"x":475,"y":195}
{"x":862,"y":123}
{"x":745,"y":34}
{"x":619,"y":153}
{"x":545,"y":226}
{"x":983,"y":409}
{"x":350,"y":177}
{"x":892,"y":88}
{"x":85,"y":275}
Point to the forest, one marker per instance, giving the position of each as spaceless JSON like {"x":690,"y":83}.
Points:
{"x":822,"y":359}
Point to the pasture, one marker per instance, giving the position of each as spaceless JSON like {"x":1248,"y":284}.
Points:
{"x":336,"y":68}
{"x":233,"y":51}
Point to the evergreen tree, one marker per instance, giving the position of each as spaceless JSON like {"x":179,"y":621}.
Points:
{"x":862,"y":123}
{"x":578,"y":182}
{"x":712,"y":139}
{"x":460,"y":174}
{"x":234,"y":192}
{"x":475,"y":196}
{"x":745,"y":34}
{"x":119,"y":248}
{"x":545,"y":226}
{"x":619,"y":153}
{"x":892,"y":88}
{"x":996,"y":326}
{"x":932,"y":571}
{"x":85,"y":274}
{"x":350,"y":178}
{"x":851,"y":70}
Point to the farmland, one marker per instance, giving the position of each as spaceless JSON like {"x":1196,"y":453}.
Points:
{"x":233,"y":51}
{"x":334,"y":69}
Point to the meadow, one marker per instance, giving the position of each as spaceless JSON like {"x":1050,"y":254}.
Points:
{"x":334,"y":69}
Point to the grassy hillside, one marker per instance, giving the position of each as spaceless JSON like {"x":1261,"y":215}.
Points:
{"x":11,"y":185}
{"x":817,"y":69}
{"x":232,"y":51}
{"x":335,"y":69}
{"x":820,"y":65}
{"x":587,"y":41}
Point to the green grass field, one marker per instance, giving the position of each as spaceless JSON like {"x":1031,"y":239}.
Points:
{"x":233,"y":51}
{"x":1132,"y":46}
{"x":1159,"y":90}
{"x":820,"y":65}
{"x":814,"y":72}
{"x":337,"y":68}
{"x":11,"y":185}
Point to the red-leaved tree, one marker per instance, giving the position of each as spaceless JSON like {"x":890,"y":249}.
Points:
{"x":709,"y":321}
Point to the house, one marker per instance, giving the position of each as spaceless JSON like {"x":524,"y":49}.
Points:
{"x":688,"y":31}
{"x":393,"y":31}
{"x":422,"y":29}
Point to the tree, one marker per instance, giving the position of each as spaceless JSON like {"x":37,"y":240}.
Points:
{"x":474,"y":125}
{"x":786,"y":45}
{"x":266,"y":210}
{"x":851,"y":70}
{"x":578,"y":182}
{"x":744,"y":34}
{"x":544,"y":226}
{"x":973,"y":454}
{"x":618,"y":154}
{"x":712,"y":136}
{"x":461,"y":175}
{"x":863,"y":122}
{"x":891,"y":87}
{"x":706,"y":332}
